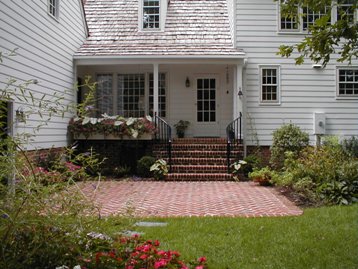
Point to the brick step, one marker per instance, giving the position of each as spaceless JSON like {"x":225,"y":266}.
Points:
{"x":197,"y":154}
{"x":200,"y":161}
{"x":199,"y":140}
{"x":199,"y":169}
{"x":210,"y":147}
{"x":198,"y":177}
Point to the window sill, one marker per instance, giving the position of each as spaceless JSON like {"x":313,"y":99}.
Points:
{"x":54,"y":18}
{"x":298,"y":33}
{"x":269,"y":104}
{"x":347,"y":98}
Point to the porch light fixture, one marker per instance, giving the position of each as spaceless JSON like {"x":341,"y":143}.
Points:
{"x":187,"y":82}
{"x":20,"y":115}
{"x":240,"y":93}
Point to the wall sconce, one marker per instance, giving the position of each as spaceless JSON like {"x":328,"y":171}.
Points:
{"x":20,"y":115}
{"x":187,"y":82}
{"x":240,"y":93}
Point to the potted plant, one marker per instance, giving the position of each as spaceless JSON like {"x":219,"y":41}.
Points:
{"x":261,"y":176}
{"x":180,"y":127}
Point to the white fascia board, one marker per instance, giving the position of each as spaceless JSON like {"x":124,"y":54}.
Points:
{"x":112,"y":60}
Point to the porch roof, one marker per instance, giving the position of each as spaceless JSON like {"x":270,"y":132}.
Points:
{"x":192,"y":28}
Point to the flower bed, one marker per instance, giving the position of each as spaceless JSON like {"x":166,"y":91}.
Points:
{"x":112,"y":127}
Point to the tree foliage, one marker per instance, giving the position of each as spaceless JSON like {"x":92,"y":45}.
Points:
{"x":326,"y":36}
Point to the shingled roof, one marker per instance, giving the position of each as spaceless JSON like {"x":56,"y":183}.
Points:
{"x":192,"y":28}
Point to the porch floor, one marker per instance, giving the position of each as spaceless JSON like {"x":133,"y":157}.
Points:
{"x":175,"y":199}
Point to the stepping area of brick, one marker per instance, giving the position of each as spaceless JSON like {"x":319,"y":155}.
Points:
{"x":177,"y":199}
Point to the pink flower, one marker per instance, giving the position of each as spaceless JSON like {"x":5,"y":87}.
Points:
{"x":160,"y":263}
{"x":199,"y":267}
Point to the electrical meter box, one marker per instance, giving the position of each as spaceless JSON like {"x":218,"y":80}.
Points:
{"x":319,"y":123}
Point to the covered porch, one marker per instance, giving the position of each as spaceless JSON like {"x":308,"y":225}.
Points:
{"x":205,"y":91}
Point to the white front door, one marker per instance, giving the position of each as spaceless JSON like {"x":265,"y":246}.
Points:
{"x":206,"y":107}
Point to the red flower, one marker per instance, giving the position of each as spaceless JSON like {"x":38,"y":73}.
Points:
{"x":202,"y":260}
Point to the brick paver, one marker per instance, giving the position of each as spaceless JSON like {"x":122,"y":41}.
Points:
{"x":174,"y":199}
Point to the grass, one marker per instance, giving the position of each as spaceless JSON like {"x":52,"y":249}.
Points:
{"x":322,"y":238}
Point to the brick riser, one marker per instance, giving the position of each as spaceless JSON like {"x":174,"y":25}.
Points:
{"x":199,"y":169}
{"x":198,"y":177}
{"x":197,"y":154}
{"x":199,"y":159}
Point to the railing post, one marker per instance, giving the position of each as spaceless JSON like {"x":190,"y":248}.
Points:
{"x":228,"y":153}
{"x":170,"y":155}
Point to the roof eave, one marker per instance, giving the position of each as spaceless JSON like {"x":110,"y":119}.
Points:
{"x":119,"y":59}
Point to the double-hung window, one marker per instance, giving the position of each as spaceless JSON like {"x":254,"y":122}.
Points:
{"x":347,"y":82}
{"x":151,"y":14}
{"x":346,"y":11}
{"x":305,"y":17}
{"x":309,"y":17}
{"x":53,"y":8}
{"x":269,"y":84}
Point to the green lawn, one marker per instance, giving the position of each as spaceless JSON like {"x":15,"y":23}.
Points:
{"x":321,"y":238}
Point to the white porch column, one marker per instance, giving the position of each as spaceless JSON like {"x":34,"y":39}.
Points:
{"x":237,"y":98}
{"x":155,"y":89}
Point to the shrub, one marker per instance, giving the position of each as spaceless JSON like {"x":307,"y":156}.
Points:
{"x":143,"y":166}
{"x":121,"y":171}
{"x":252,"y":161}
{"x":289,"y":137}
{"x":324,"y":175}
{"x":350,"y":146}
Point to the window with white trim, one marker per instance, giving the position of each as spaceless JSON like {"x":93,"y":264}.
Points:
{"x":345,"y":10}
{"x":131,"y":95}
{"x":340,"y":9}
{"x":288,"y":23}
{"x":269,"y":84}
{"x":151,"y":14}
{"x":53,"y":8}
{"x":347,"y":82}
{"x":104,"y":94}
{"x":309,"y":17}
{"x":161,"y":94}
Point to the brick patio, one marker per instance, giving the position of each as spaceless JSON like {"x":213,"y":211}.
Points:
{"x":174,"y":199}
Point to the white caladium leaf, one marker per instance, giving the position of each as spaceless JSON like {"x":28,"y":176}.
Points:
{"x":76,"y":119}
{"x":149,"y":118}
{"x":118,"y":123}
{"x":130,"y":121}
{"x":93,"y":120}
{"x":135,"y":133}
{"x":86,"y":120}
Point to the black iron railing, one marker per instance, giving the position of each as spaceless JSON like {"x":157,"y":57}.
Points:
{"x":234,"y":137}
{"x":163,"y":135}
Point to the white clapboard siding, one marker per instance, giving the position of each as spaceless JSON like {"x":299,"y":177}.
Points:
{"x":44,"y":52}
{"x":304,"y":90}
